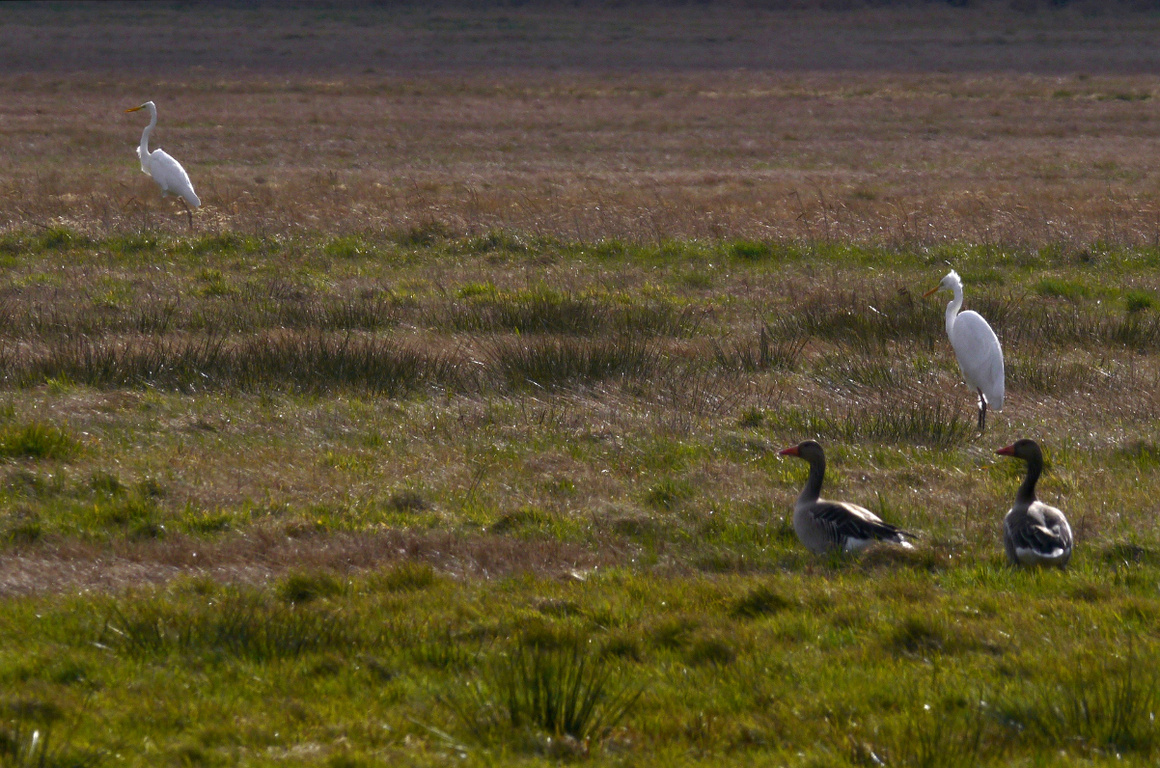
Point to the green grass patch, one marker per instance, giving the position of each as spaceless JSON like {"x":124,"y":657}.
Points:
{"x":230,"y":244}
{"x":324,"y":506}
{"x":234,"y":625}
{"x":37,"y":440}
{"x":347,"y":247}
{"x":750,"y":251}
{"x":1072,"y":290}
{"x":133,"y":244}
{"x":1099,"y":703}
{"x":1137,"y":300}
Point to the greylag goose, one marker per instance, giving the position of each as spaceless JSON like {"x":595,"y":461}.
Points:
{"x":834,"y":526}
{"x":1033,"y":532}
{"x":976,"y":347}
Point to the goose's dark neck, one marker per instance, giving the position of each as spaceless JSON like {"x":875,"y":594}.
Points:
{"x":813,"y":487}
{"x":1026,"y":492}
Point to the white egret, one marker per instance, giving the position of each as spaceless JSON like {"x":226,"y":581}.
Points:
{"x":976,"y":347}
{"x":166,"y":171}
{"x":834,"y":526}
{"x":1033,"y":532}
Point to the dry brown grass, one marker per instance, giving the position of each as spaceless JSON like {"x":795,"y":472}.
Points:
{"x":911,"y":125}
{"x":264,"y":557}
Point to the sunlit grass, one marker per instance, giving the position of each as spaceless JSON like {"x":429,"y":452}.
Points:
{"x":530,"y":509}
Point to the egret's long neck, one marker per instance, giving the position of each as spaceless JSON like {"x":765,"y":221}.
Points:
{"x":813,"y":487}
{"x":954,"y":306}
{"x":1026,"y":492}
{"x":143,"y":150}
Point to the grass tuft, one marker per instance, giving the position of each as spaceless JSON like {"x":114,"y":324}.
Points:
{"x":306,"y":587}
{"x":138,"y":516}
{"x":1137,"y":300}
{"x":760,"y":601}
{"x":228,"y":244}
{"x":779,"y":348}
{"x":944,"y":732}
{"x":133,"y":244}
{"x":549,"y":362}
{"x":668,"y":493}
{"x":238,"y":625}
{"x":1136,"y":331}
{"x":106,"y":484}
{"x":407,"y":577}
{"x":907,"y":424}
{"x":1099,"y":701}
{"x":57,"y":238}
{"x":1071,"y":290}
{"x":303,"y":362}
{"x":28,"y":737}
{"x":408,"y":501}
{"x":423,"y":235}
{"x":562,"y":689}
{"x":867,"y":320}
{"x":710,"y":650}
{"x":749,"y":250}
{"x":1142,"y":454}
{"x":541,"y":309}
{"x":207,"y":521}
{"x":525,"y":517}
{"x":348,"y":247}
{"x":37,"y":440}
{"x":917,"y":634}
{"x":21,"y":525}
{"x":497,"y":241}
{"x":1125,"y":553}
{"x":441,"y":648}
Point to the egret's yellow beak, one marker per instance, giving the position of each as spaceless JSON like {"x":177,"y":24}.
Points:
{"x":928,"y":293}
{"x":134,"y":109}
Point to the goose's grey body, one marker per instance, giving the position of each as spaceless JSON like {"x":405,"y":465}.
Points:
{"x":1034,"y":533}
{"x":834,"y":526}
{"x":1037,"y":534}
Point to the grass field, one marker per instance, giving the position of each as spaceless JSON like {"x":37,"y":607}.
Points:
{"x":449,"y":434}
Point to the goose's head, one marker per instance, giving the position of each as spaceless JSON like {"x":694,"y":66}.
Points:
{"x":808,"y":450}
{"x":1024,"y":448}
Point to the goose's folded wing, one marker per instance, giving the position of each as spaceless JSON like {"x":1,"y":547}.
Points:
{"x":1029,"y":535}
{"x":849,"y":521}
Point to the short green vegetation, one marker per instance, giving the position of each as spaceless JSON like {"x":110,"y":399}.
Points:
{"x":410,"y":498}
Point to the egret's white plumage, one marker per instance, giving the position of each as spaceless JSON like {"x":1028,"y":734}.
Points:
{"x":166,"y":171}
{"x":976,"y":347}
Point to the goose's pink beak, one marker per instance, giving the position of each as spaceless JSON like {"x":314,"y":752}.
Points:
{"x":1008,"y":451}
{"x":789,"y":452}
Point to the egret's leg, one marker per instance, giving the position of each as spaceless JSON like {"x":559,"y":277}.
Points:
{"x":188,"y":212}
{"x":982,"y":411}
